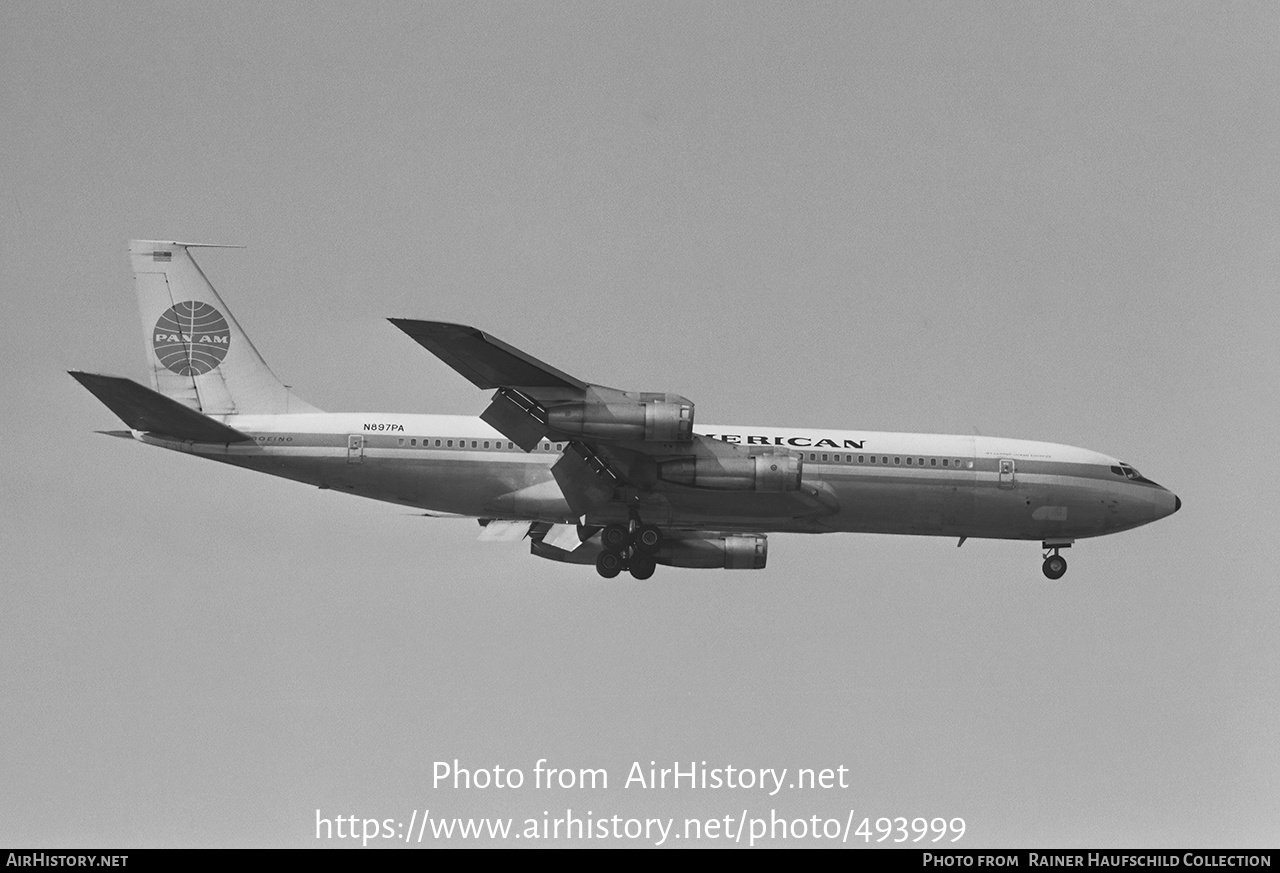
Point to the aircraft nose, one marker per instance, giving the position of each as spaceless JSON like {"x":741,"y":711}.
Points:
{"x":1177,"y":503}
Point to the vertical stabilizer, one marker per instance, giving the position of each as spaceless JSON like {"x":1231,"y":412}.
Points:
{"x":196,"y":350}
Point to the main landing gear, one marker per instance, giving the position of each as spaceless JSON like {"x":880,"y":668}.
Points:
{"x":628,"y":547}
{"x":1055,"y":566}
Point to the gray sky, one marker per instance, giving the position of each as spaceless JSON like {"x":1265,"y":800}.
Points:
{"x":1048,"y":221}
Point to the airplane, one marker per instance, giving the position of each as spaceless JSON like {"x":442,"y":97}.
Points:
{"x":620,"y":480}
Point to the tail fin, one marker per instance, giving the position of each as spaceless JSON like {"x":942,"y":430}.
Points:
{"x":197,"y":352}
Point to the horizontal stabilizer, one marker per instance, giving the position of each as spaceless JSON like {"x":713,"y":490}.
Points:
{"x":147,"y":410}
{"x":486,"y":361}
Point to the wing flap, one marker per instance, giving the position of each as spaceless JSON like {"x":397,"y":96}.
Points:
{"x":502,"y":531}
{"x":517,"y":417}
{"x":586,"y":482}
{"x":565,"y":537}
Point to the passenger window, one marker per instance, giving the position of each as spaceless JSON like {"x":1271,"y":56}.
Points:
{"x":559,"y":446}
{"x":945,"y":463}
{"x":450,"y":444}
{"x":873,"y":459}
{"x":437,"y":444}
{"x":860,"y":458}
{"x":884,"y":459}
{"x":897,"y":460}
{"x":824,"y":457}
{"x":509,"y":445}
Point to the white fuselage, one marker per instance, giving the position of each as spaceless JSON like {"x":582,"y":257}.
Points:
{"x":930,"y":484}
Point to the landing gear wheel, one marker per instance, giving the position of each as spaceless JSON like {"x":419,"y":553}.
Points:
{"x":1055,"y":566}
{"x":615,"y":538}
{"x":642,"y":565}
{"x":608,"y":564}
{"x":648,"y":538}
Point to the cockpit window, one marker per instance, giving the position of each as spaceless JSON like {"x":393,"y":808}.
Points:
{"x":1117,"y":471}
{"x":1129,"y":472}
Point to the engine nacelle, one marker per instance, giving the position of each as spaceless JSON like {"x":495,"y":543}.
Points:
{"x":766,"y":471}
{"x":668,"y":419}
{"x":730,"y":552}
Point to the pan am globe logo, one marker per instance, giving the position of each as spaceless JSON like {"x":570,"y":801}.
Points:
{"x":191,"y":338}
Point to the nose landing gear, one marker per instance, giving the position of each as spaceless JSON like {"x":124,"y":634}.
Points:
{"x":1055,"y":566}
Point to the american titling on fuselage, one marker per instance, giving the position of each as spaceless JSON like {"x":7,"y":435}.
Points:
{"x":593,"y":475}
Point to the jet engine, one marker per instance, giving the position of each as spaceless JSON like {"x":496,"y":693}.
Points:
{"x":766,"y":471}
{"x":730,"y":552}
{"x":662,"y":417}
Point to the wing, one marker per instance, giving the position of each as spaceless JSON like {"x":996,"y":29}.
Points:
{"x":626,"y":450}
{"x":486,"y":361}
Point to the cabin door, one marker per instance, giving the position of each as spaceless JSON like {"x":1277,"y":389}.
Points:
{"x":1008,"y":473}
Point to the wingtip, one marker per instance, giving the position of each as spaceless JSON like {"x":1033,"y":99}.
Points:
{"x":141,"y":244}
{"x":422,"y":325}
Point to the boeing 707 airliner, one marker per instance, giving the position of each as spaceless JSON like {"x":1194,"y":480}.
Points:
{"x":593,"y":475}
